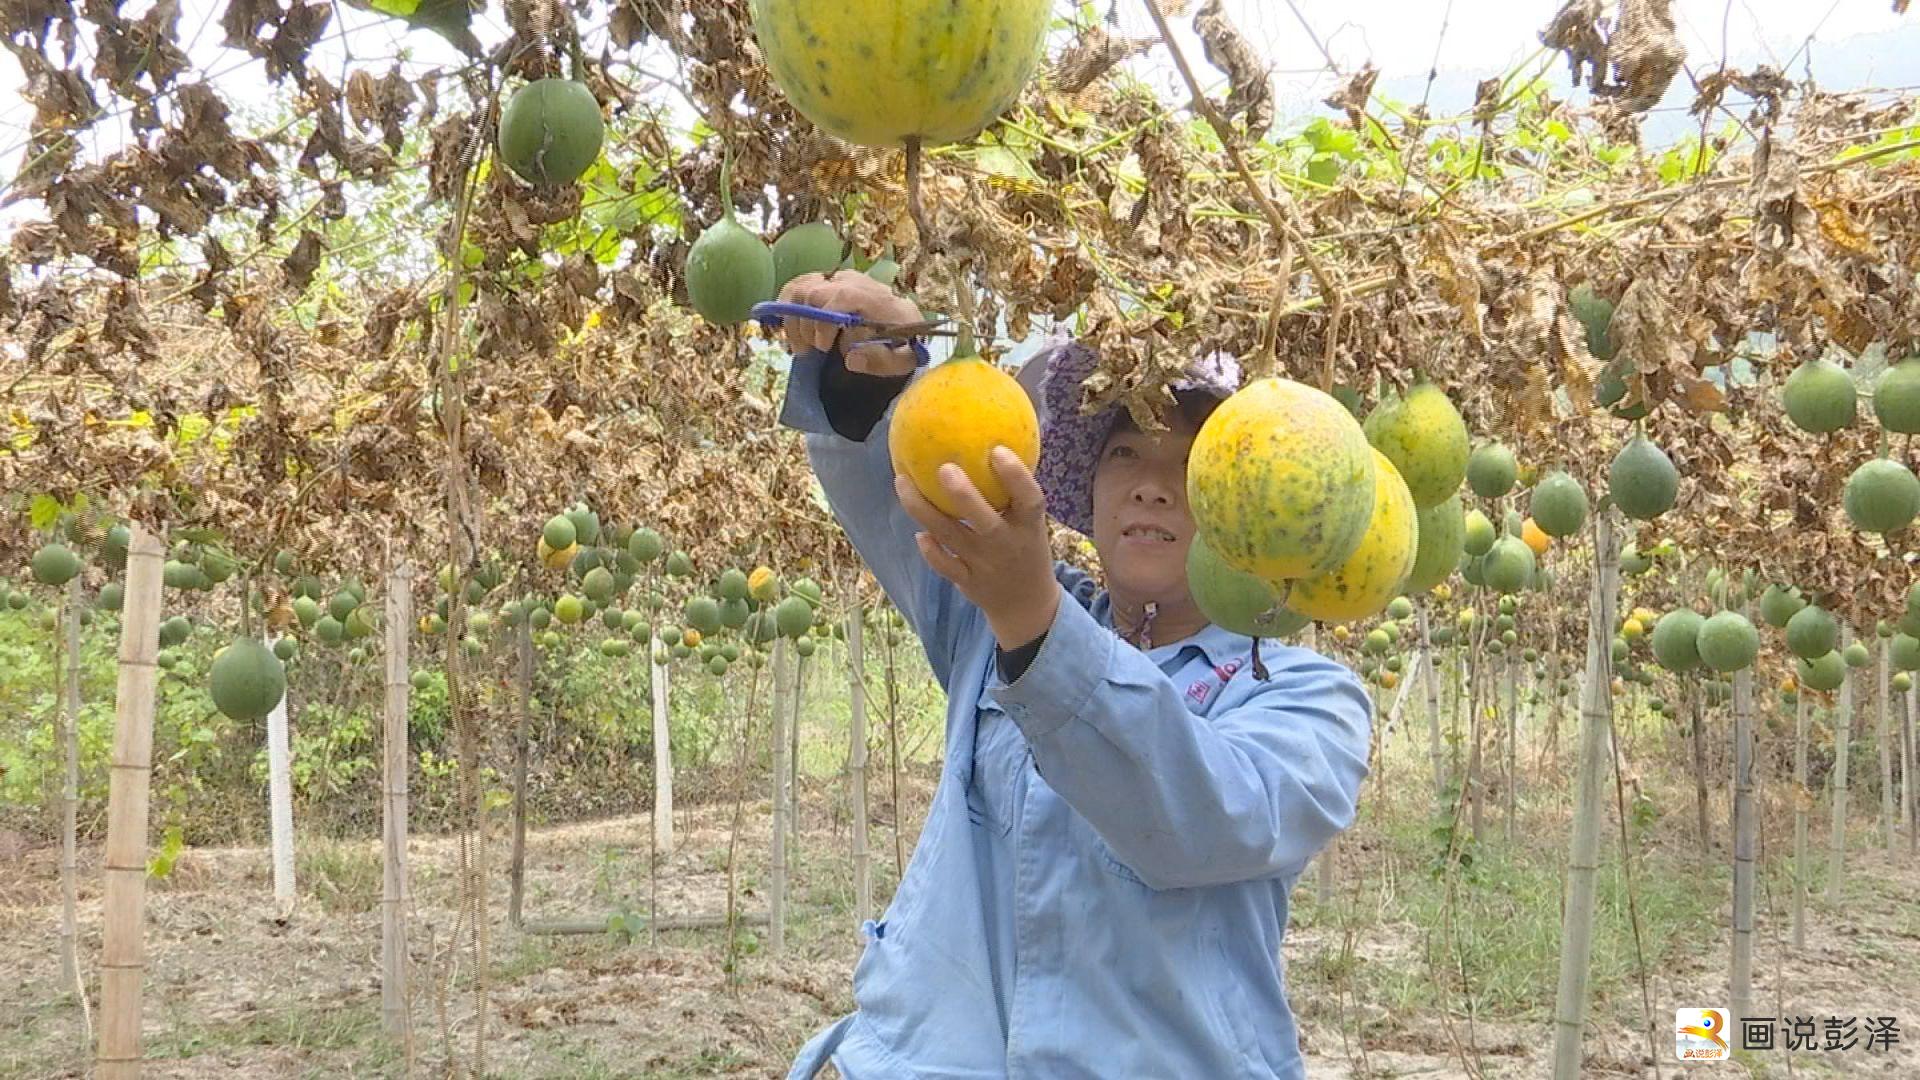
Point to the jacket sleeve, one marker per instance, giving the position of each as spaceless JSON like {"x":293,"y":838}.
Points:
{"x":1252,"y":791}
{"x":845,"y":417}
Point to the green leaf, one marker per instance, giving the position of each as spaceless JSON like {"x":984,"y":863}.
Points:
{"x":44,"y":511}
{"x":1003,"y":162}
{"x":161,"y":864}
{"x":1323,"y":169}
{"x":401,"y":8}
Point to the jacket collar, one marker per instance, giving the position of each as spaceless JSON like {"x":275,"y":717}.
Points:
{"x":1215,"y":642}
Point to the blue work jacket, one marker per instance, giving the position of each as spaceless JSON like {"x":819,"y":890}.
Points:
{"x":1100,"y":887}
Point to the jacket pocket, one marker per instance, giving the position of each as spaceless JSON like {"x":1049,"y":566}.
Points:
{"x":1111,"y":864}
{"x":999,"y":758}
{"x":1241,"y":1038}
{"x":920,"y":867}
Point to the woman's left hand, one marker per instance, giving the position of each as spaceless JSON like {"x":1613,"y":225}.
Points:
{"x":1003,"y":562}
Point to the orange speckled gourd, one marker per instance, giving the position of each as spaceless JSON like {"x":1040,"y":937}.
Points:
{"x":1377,"y":570}
{"x":1280,"y":481}
{"x":958,"y":411}
{"x":948,"y":69}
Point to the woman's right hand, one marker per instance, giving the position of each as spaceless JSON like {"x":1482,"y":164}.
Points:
{"x":857,"y":294}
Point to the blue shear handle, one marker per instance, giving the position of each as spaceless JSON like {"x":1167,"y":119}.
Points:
{"x":770,"y":312}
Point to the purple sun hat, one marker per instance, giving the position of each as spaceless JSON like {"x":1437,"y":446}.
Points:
{"x":1070,"y":441}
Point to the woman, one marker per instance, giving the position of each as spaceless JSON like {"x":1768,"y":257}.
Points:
{"x":1100,"y":888}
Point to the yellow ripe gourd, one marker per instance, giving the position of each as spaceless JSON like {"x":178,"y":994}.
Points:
{"x":959,"y":411}
{"x":1281,"y":481}
{"x":966,"y":63}
{"x":1377,"y":570}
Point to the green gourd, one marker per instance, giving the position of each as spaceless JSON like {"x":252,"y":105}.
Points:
{"x":729,"y":268}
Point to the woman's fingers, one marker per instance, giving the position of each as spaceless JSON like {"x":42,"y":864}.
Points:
{"x":944,"y":562}
{"x":974,"y":508}
{"x":952,"y":533}
{"x":855,"y":294}
{"x":1025,"y":498}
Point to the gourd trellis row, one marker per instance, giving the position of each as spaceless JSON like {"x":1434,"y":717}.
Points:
{"x":1441,"y":248}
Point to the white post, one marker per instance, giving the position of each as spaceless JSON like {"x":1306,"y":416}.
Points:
{"x":662,"y":758}
{"x":280,"y":804}
{"x":393,"y":819}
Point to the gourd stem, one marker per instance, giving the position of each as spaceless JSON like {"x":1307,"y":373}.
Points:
{"x":726,"y":178}
{"x":963,"y":300}
{"x":914,"y":206}
{"x":573,"y":52}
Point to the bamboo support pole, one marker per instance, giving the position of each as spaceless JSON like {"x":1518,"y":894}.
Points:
{"x":1476,"y":684}
{"x":1456,"y":702}
{"x":793,"y":754}
{"x":522,"y":706}
{"x":123,"y":954}
{"x":1596,"y":720}
{"x":1323,"y":863}
{"x":777,"y":860}
{"x":1513,"y":741}
{"x":1430,"y":682}
{"x":662,"y":755}
{"x":1842,"y":730}
{"x":857,"y":764}
{"x":1557,"y":707}
{"x":1909,"y":792}
{"x":562,"y":927}
{"x":69,"y":673}
{"x":1745,"y":831}
{"x":1691,"y":695}
{"x":1884,"y":749}
{"x":893,"y":749}
{"x":395,"y":1013}
{"x":1802,"y":805}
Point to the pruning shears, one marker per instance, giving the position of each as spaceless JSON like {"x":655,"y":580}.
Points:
{"x":893,"y":335}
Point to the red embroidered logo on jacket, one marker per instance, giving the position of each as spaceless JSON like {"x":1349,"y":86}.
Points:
{"x":1204,"y":684}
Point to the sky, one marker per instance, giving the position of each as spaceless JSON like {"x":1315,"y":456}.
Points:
{"x":1849,"y":44}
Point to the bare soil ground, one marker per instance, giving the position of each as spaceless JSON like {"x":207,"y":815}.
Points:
{"x":234,"y":992}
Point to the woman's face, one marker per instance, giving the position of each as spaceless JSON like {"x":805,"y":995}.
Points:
{"x":1141,"y":525}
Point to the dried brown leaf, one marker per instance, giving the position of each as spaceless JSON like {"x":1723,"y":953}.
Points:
{"x":1699,"y":395}
{"x":1251,"y":91}
{"x":1091,"y":57}
{"x":1646,"y":52}
{"x":1842,"y":231}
